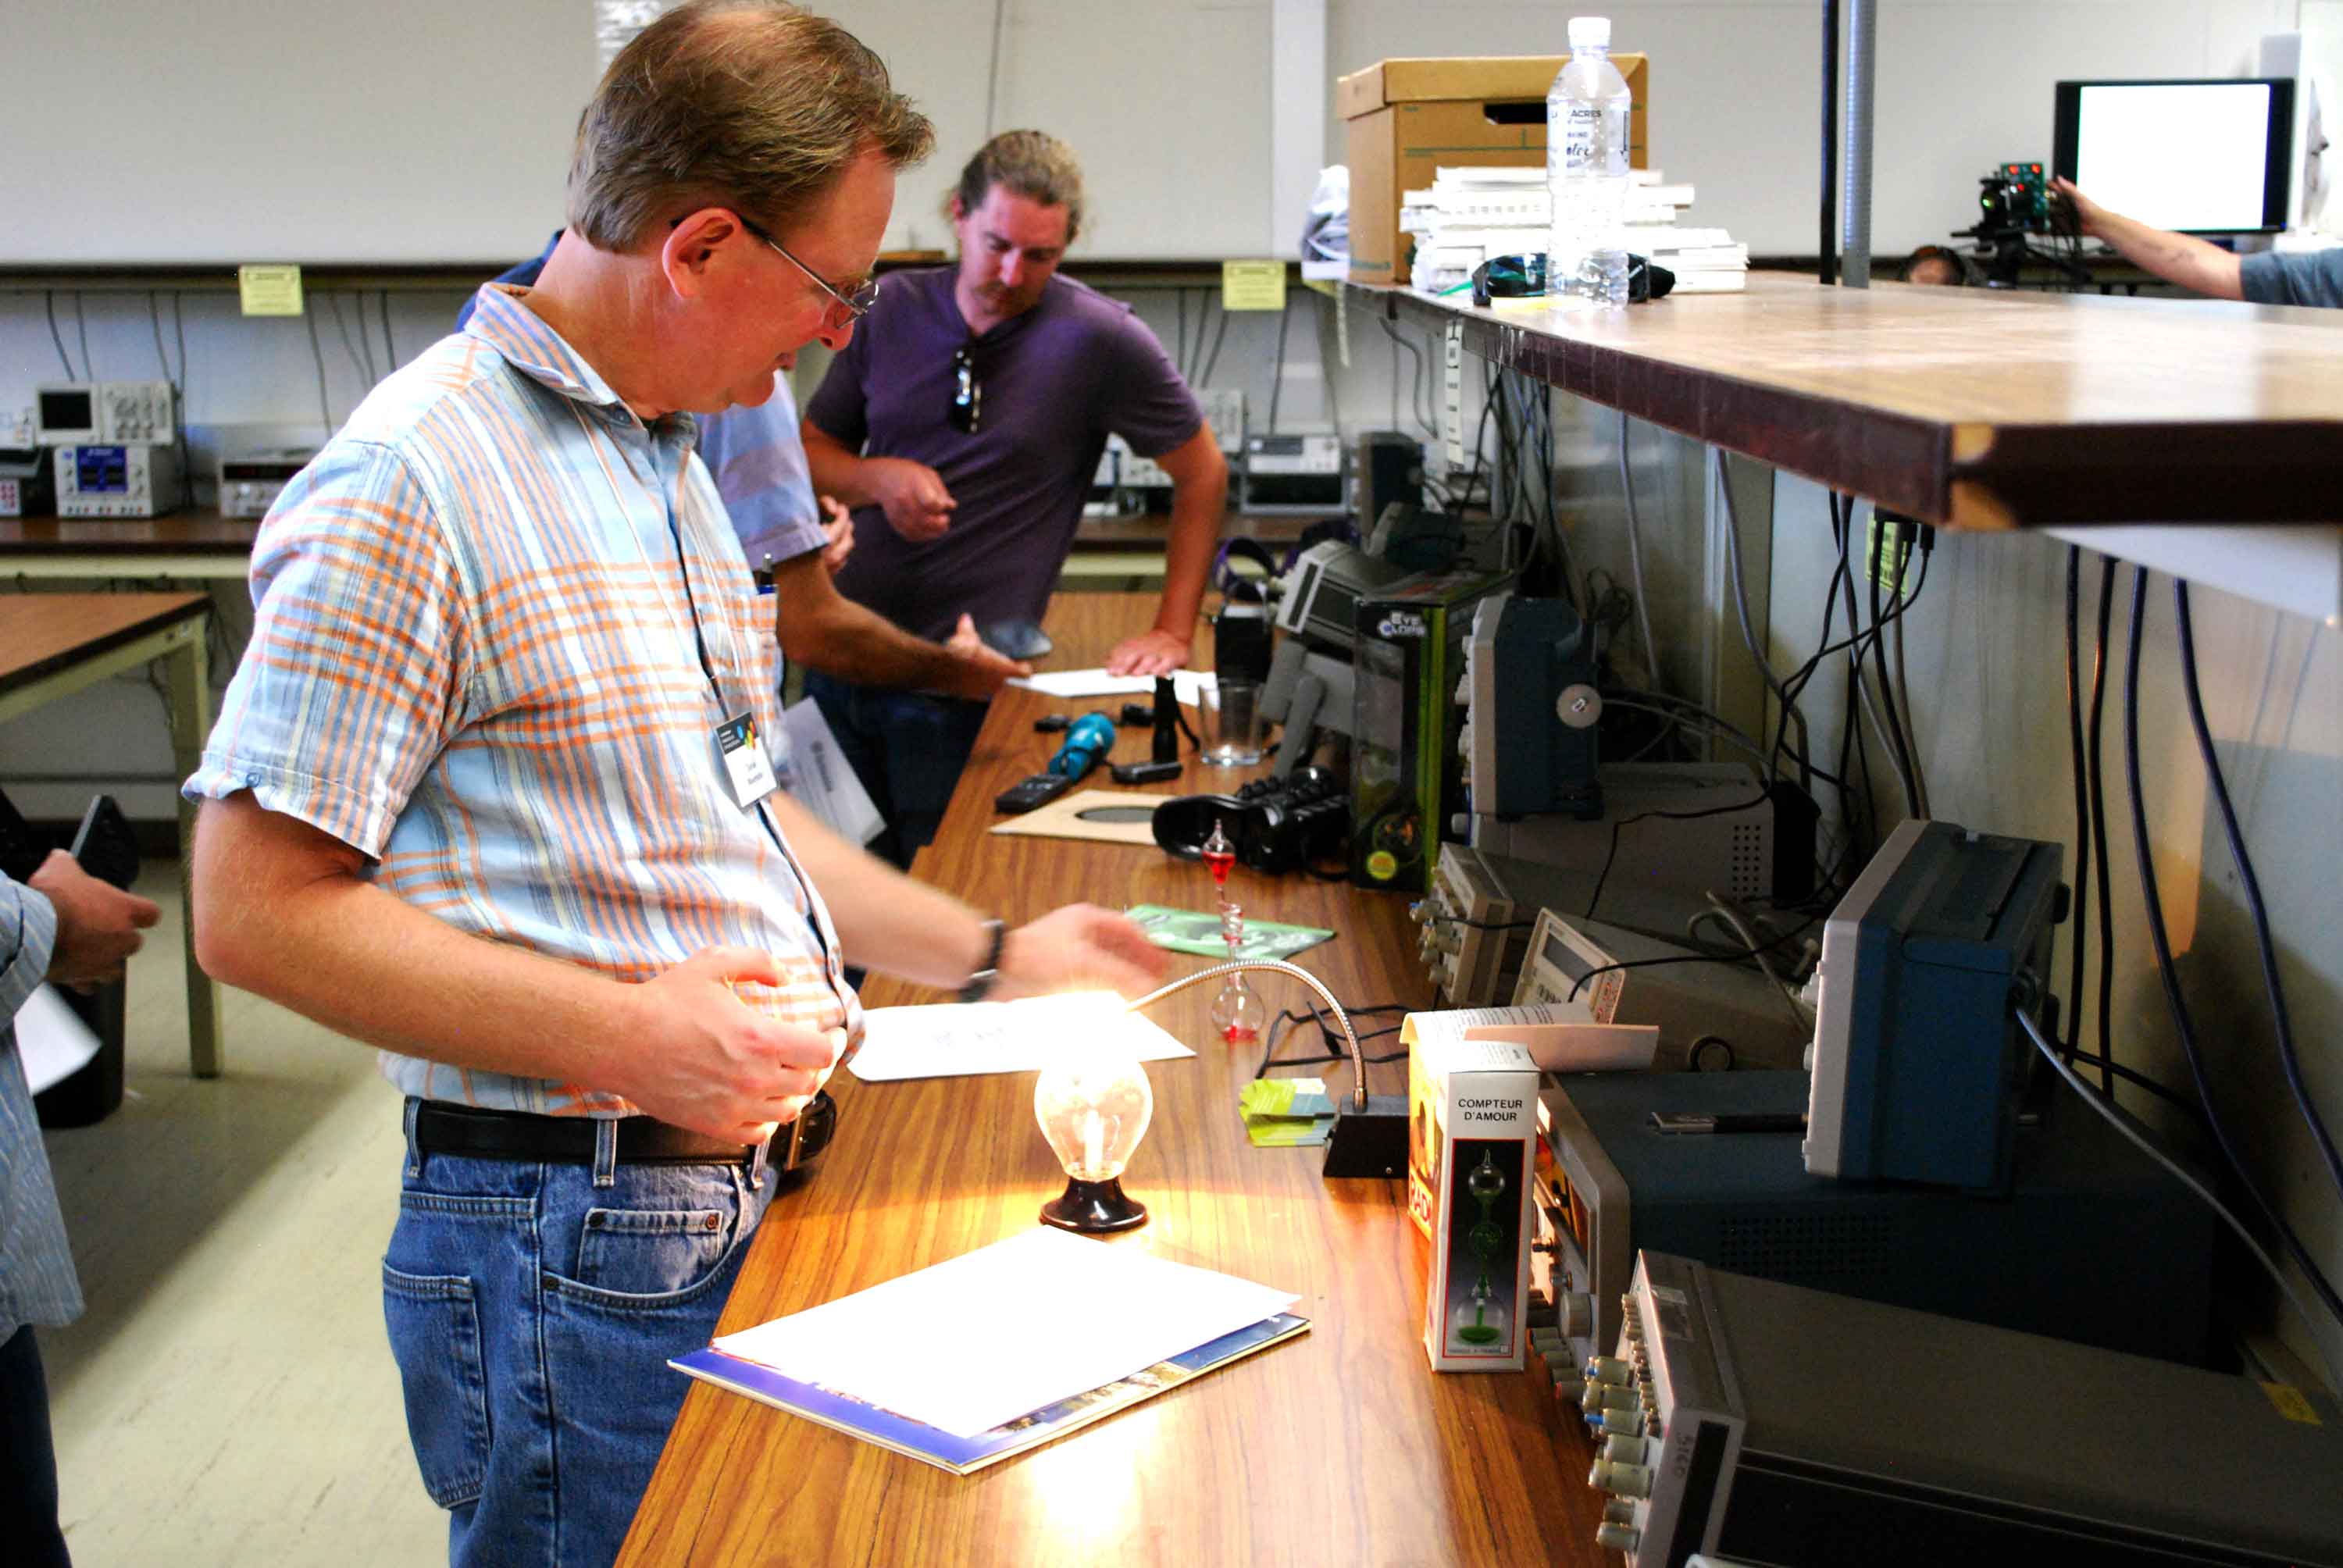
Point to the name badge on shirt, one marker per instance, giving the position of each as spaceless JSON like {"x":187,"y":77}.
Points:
{"x":745,"y":762}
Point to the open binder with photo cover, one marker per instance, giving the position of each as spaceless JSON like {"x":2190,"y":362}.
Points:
{"x":962,"y":1455}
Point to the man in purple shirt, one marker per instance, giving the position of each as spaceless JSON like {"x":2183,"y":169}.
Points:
{"x":963,"y":424}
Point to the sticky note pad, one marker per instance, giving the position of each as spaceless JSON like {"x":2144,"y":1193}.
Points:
{"x":273,"y":289}
{"x":1252,"y":286}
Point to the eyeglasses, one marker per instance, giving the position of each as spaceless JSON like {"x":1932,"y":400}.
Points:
{"x":968,"y":393}
{"x":855,"y":304}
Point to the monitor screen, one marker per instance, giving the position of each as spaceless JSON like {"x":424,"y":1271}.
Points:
{"x":64,"y":409}
{"x":2202,"y":158}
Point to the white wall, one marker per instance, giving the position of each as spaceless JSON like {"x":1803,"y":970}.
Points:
{"x":437,"y":130}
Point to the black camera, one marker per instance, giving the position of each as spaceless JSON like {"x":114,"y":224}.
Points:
{"x":1276,"y":824}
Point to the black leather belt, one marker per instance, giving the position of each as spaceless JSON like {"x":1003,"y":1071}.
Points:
{"x":481,"y":1134}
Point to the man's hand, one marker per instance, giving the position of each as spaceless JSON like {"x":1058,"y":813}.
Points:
{"x":2088,"y":214}
{"x":99,"y":925}
{"x":838,"y":535}
{"x":1076,"y":948}
{"x":1156,"y":652}
{"x":917,"y":505}
{"x":983,"y":668}
{"x":700,"y":1057}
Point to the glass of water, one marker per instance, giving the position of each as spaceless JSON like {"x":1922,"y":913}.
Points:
{"x":1232,"y":710}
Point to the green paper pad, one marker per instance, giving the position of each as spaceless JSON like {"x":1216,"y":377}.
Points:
{"x":1195,"y":931}
{"x":1285,"y":1112}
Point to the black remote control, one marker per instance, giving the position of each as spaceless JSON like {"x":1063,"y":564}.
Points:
{"x":1027,"y":793}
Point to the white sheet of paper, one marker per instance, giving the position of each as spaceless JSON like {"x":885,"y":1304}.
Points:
{"x":1188,"y":685}
{"x":960,"y":1040}
{"x":823,"y":780}
{"x":992,"y":1335}
{"x":51,"y":1039}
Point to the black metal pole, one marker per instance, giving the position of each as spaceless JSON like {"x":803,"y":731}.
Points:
{"x":1829,"y":252}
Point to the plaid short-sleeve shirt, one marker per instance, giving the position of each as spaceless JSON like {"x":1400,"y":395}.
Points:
{"x":497,"y":624}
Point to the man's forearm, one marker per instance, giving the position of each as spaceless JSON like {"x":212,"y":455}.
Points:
{"x":2178,"y":259}
{"x":885,"y":920}
{"x":835,"y":470}
{"x":275,"y":918}
{"x":822,"y":630}
{"x":1198,"y":510}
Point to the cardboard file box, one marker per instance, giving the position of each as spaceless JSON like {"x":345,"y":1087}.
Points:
{"x":1406,"y":118}
{"x":1473,"y":1108}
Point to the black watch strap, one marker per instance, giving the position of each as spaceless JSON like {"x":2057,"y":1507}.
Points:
{"x":988,"y":974}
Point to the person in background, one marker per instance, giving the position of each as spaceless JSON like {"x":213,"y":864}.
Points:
{"x":496,"y":799}
{"x":759,"y":463}
{"x":2267,"y":277}
{"x":66,"y":926}
{"x":963,"y":425}
{"x":1933,"y":266}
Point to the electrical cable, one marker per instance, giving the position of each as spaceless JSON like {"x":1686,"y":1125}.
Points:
{"x":81,"y":328}
{"x":390,"y":344}
{"x":993,"y":71}
{"x":1719,"y":909}
{"x":1903,"y":697}
{"x":1687,"y":712}
{"x":362,"y":366}
{"x":2147,"y":1145}
{"x":325,"y":409}
{"x":1580,"y":983}
{"x":2183,"y":1023}
{"x":1328,"y":363}
{"x":1635,"y":553}
{"x":154,"y":320}
{"x":1899,"y":751}
{"x":1277,"y":375}
{"x":2100,"y":825}
{"x":2081,"y":937}
{"x":49,"y":303}
{"x":1722,"y":481}
{"x":2280,"y":1018}
{"x":1212,"y":360}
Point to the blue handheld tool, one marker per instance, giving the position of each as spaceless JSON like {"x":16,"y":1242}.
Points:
{"x":1087,"y":742}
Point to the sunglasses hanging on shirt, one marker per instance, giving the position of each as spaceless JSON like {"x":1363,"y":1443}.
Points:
{"x":968,"y":393}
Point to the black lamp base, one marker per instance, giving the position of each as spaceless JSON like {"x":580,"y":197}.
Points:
{"x":1094,"y":1208}
{"x":1370,"y":1143}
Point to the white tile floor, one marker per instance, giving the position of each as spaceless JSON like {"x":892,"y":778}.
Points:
{"x":229,"y":1398}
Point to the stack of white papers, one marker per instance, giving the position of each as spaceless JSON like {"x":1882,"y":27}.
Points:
{"x":1470,"y":215}
{"x":1005,"y":1330}
{"x":961,"y":1039}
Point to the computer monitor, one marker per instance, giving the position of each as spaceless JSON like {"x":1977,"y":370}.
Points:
{"x":2199,"y":156}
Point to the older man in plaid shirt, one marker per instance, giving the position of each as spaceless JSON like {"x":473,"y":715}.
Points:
{"x":489,"y":791}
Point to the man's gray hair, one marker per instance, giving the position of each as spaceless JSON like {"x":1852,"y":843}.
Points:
{"x":752,"y":105}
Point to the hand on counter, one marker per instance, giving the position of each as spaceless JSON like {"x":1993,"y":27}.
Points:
{"x":1080,"y":946}
{"x":982,"y":670}
{"x":700,"y":1058}
{"x":1156,"y":652}
{"x":912,"y":495}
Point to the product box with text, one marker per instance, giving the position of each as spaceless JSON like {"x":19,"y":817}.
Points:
{"x":1472,"y":1136}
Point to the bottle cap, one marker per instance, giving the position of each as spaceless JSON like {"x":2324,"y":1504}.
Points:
{"x":1590,"y":31}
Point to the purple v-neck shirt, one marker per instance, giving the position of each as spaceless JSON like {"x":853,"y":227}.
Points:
{"x":1055,"y":380}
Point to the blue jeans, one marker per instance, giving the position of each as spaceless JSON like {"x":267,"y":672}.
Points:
{"x":532,"y":1309}
{"x":908,"y":748}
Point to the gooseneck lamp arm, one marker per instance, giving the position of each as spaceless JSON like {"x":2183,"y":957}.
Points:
{"x":1217,"y":971}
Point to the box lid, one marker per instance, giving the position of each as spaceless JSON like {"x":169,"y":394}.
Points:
{"x":1518,"y":77}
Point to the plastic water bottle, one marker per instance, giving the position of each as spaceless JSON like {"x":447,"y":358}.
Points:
{"x":1587,"y":120}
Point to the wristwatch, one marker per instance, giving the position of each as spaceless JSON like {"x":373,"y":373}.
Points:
{"x":988,"y":974}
